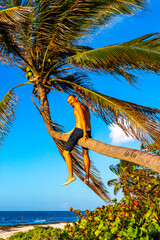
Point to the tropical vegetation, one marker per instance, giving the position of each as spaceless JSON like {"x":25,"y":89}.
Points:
{"x":136,"y":216}
{"x":43,"y":38}
{"x":129,"y":219}
{"x":135,"y":181}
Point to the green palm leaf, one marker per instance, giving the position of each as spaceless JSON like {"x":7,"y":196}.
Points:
{"x":14,"y":19}
{"x":112,"y":182}
{"x":58,"y":24}
{"x":7,"y":113}
{"x":13,"y":14}
{"x":117,"y":188}
{"x":142,"y":123}
{"x":13,"y":48}
{"x":46,"y":43}
{"x":68,"y":20}
{"x":115,"y":169}
{"x":139,"y":54}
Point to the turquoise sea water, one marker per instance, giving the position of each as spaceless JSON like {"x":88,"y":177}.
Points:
{"x":33,"y":217}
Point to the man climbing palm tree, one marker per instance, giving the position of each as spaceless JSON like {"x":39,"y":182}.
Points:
{"x":44,"y":38}
{"x":81,"y":129}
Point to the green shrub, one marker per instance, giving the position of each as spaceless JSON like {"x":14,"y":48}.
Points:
{"x":131,"y":218}
{"x":41,"y":233}
{"x":125,"y":220}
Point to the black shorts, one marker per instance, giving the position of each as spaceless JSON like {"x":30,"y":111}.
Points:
{"x":74,"y":137}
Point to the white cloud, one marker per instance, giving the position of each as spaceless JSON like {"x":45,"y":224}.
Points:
{"x":65,"y":205}
{"x":118,"y":136}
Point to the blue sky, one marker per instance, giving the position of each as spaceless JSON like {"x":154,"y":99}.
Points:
{"x":31,"y":169}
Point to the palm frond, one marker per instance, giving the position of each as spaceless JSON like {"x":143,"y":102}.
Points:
{"x":151,"y":41}
{"x":115,"y":169}
{"x":54,"y":27}
{"x":119,"y":168}
{"x":139,"y":54}
{"x":95,"y":182}
{"x":77,"y":78}
{"x":14,"y":19}
{"x":12,"y":49}
{"x":64,"y":22}
{"x":142,"y":123}
{"x":7,"y":113}
{"x":14,"y":14}
{"x":117,"y":188}
{"x":112,"y":182}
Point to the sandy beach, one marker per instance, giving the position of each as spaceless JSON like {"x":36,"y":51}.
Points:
{"x":7,"y":231}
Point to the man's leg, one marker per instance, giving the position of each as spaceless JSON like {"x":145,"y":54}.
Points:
{"x":86,"y":164}
{"x":68,"y":159}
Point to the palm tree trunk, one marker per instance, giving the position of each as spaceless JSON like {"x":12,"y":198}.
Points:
{"x":131,"y":155}
{"x":95,"y":182}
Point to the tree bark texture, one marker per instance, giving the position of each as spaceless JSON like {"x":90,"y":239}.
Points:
{"x":131,"y":155}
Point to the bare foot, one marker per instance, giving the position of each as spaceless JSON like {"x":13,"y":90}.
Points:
{"x":86,"y":181}
{"x":69,"y":180}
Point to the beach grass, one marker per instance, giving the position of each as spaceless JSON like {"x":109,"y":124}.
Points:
{"x":29,"y":231}
{"x":41,"y":233}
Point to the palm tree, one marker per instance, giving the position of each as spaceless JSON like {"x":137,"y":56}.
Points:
{"x":42,"y":38}
{"x":122,"y":170}
{"x":134,"y":180}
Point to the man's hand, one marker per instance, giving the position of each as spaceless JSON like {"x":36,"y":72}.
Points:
{"x":85,"y":136}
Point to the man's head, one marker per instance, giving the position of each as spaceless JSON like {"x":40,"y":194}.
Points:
{"x":72,"y":99}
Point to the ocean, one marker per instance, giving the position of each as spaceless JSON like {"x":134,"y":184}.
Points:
{"x":33,"y":217}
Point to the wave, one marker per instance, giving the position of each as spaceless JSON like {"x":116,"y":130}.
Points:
{"x":41,"y":221}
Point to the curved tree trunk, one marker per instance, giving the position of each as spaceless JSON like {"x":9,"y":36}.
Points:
{"x":136,"y":156}
{"x":131,"y":155}
{"x":95,"y":182}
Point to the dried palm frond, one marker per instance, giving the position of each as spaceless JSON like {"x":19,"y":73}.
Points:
{"x":95,"y":182}
{"x":7,"y":113}
{"x":142,"y":123}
